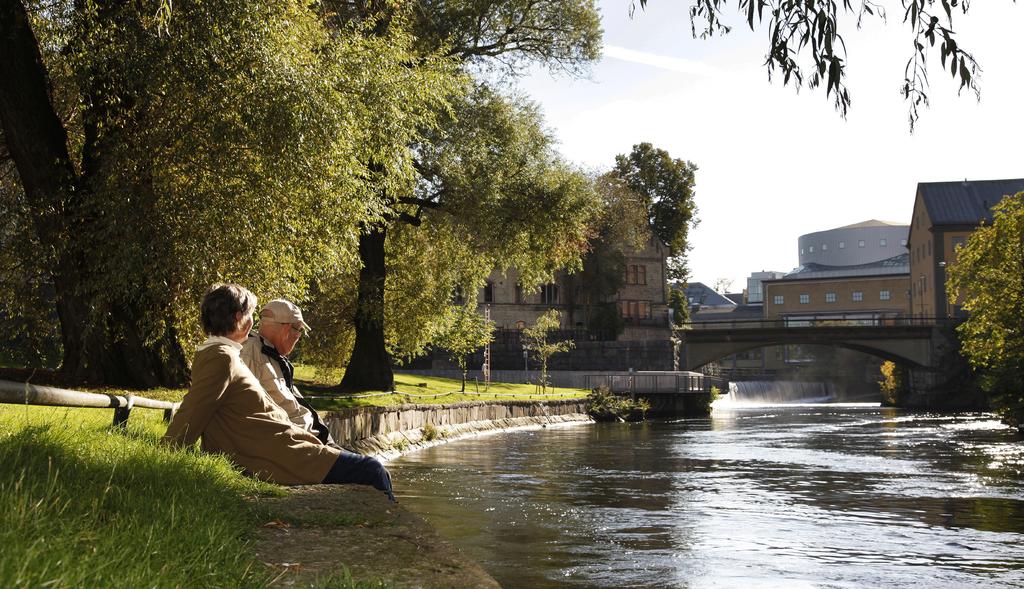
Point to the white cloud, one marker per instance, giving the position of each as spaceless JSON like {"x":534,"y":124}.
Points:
{"x":672,"y":64}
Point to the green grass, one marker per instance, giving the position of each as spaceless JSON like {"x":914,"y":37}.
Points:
{"x":430,"y":389}
{"x":84,"y":505}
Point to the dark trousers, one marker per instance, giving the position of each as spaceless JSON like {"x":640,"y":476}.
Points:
{"x":357,"y":469}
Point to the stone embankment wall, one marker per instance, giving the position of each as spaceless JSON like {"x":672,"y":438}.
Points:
{"x":387,"y":432}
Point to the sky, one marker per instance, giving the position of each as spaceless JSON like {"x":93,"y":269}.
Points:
{"x":774,"y":164}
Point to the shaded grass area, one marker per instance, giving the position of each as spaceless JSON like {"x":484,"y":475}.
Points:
{"x":84,"y":505}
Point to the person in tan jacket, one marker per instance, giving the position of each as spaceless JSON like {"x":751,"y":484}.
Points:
{"x":266,"y":354}
{"x":227,"y":408}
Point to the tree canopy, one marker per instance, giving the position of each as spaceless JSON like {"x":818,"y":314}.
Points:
{"x":150,"y":157}
{"x":806,"y":42}
{"x":987,"y":280}
{"x":665,"y":187}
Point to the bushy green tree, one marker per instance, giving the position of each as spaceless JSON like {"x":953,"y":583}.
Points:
{"x":665,"y":188}
{"x":536,"y":341}
{"x":161,"y":149}
{"x":488,"y":190}
{"x":464,"y":332}
{"x":987,"y":279}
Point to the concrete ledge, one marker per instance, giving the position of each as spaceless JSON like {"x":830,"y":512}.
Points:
{"x":317,"y":532}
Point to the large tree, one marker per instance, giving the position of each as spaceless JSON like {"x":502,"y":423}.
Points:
{"x":665,"y":187}
{"x":220,"y":140}
{"x":806,"y":41}
{"x":489,"y":189}
{"x":987,"y":279}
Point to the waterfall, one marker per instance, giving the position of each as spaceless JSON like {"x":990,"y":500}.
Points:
{"x":780,"y":391}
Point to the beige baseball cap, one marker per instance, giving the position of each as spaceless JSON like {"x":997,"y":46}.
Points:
{"x":283,"y":311}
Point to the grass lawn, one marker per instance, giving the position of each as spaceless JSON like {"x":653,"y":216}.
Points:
{"x":431,"y":389}
{"x":83,"y":505}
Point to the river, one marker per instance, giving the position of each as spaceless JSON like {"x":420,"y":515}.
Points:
{"x":757,"y":496}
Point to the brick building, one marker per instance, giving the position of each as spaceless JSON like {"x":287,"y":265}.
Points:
{"x":641,"y":301}
{"x":945,"y":215}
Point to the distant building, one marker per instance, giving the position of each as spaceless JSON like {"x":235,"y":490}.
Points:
{"x":641,"y":301}
{"x":857,"y":273}
{"x":945,"y":215}
{"x":853,"y":245}
{"x":755,"y":289}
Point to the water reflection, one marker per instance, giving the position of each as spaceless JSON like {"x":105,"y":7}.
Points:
{"x":787,"y":496}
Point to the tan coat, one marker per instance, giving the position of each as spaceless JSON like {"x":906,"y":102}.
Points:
{"x":234,"y":415}
{"x":268,"y":372}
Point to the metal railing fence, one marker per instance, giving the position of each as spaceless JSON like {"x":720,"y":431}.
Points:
{"x":845,"y":320}
{"x":646,"y":384}
{"x":20,"y":393}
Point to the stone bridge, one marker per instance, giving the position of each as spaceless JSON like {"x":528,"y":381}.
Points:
{"x":937,"y":375}
{"x":906,"y":342}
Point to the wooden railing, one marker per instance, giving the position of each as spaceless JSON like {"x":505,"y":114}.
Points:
{"x":20,"y":393}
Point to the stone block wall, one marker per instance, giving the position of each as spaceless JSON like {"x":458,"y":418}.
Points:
{"x":387,"y":431}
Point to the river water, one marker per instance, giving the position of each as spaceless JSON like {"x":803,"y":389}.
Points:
{"x":758,"y":496}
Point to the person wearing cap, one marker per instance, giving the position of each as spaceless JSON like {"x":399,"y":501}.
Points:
{"x":266,"y":355}
{"x":231,"y":412}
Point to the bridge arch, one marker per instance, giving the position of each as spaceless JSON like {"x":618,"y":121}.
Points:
{"x":910,"y":346}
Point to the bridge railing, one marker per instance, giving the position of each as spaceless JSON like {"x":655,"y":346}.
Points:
{"x":646,"y":384}
{"x":810,"y":321}
{"x":20,"y":393}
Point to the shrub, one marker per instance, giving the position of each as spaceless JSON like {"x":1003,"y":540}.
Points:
{"x":430,"y":432}
{"x":604,"y":405}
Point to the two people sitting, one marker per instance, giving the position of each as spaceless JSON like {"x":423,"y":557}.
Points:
{"x":243,"y":402}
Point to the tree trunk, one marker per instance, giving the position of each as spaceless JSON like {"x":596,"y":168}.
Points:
{"x":97,"y":347}
{"x":369,"y":368}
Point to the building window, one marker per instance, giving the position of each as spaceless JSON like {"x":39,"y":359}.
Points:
{"x":830,"y":297}
{"x":519,"y":294}
{"x":489,"y":292}
{"x":860,"y":243}
{"x":549,"y":293}
{"x":635,"y":309}
{"x":884,"y":295}
{"x":824,"y":247}
{"x":842,"y":245}
{"x":858,"y":296}
{"x":812,"y":249}
{"x":903,"y":242}
{"x":645,"y":310}
{"x":929,"y":249}
{"x":801,"y":251}
{"x":779,"y":299}
{"x":805,"y":298}
{"x":882,"y":242}
{"x":636,"y":274}
{"x":520,"y":325}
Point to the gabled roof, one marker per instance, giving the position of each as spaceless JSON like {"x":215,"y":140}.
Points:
{"x":698,"y":293}
{"x":965,"y":202}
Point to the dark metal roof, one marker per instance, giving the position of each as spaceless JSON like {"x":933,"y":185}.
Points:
{"x":895,"y":265}
{"x":698,"y":293}
{"x":965,"y":203}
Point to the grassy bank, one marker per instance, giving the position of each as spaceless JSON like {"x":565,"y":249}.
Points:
{"x":82,"y":505}
{"x":430,"y":389}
